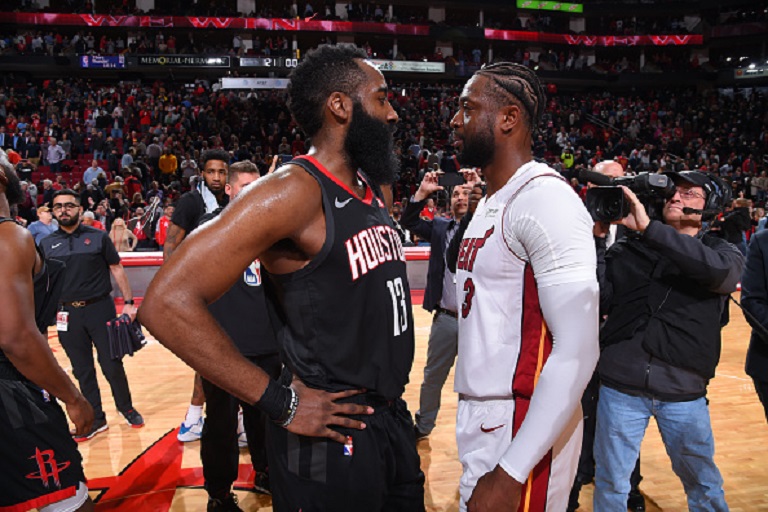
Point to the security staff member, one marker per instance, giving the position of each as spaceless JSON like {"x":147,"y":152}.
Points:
{"x":440,"y":293}
{"x":86,"y":306}
{"x":242,"y":312}
{"x":664,"y":291}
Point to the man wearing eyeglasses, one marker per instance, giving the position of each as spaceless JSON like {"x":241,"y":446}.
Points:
{"x":86,"y":306}
{"x":664,"y":289}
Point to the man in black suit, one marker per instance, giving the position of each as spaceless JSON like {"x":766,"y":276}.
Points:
{"x":17,"y":143}
{"x":440,"y":293}
{"x":754,"y":300}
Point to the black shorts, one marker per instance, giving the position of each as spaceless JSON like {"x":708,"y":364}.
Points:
{"x":378,"y":471}
{"x":39,"y":461}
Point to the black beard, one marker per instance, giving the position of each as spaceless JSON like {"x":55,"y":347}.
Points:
{"x":479,"y":150}
{"x":73,"y":220}
{"x":369,"y":145}
{"x":13,"y":191}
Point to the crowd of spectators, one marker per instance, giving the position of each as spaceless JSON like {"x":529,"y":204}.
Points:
{"x":136,"y":145}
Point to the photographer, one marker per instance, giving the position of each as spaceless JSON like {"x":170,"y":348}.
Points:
{"x":664,"y":290}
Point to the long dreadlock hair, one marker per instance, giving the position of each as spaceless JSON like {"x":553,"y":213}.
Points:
{"x":521,"y":84}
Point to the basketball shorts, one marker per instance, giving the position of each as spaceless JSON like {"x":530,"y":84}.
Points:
{"x":484,"y":433}
{"x":39,"y":461}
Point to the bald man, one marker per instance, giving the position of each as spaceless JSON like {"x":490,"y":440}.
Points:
{"x":586,"y":469}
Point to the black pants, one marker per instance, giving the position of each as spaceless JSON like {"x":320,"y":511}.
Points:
{"x":218,"y":446}
{"x":761,"y":387}
{"x":88,"y":327}
{"x":380,"y":472}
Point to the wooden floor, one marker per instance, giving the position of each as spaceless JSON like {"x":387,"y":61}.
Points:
{"x":148,"y":470}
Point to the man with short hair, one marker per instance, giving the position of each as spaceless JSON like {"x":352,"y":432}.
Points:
{"x":206,"y":198}
{"x":343,"y":319}
{"x":35,"y":430}
{"x":87,"y":305}
{"x":92,"y":172}
{"x":664,"y":291}
{"x":606,"y":235}
{"x":54,"y":154}
{"x":528,"y":314}
{"x":242,"y":312}
{"x":440,"y":292}
{"x":44,"y":225}
{"x":168,"y":165}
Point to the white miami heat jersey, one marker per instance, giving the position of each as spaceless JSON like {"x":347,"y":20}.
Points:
{"x":534,"y":222}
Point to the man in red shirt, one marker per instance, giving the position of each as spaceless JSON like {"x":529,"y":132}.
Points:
{"x":162,"y":226}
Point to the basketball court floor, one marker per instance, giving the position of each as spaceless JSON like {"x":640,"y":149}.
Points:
{"x":149,"y":470}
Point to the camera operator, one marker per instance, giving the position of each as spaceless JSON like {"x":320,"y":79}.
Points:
{"x":664,"y":290}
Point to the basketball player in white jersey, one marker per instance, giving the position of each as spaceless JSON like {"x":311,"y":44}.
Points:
{"x":528,"y":306}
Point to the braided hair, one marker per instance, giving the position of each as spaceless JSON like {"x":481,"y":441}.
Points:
{"x":521,"y":84}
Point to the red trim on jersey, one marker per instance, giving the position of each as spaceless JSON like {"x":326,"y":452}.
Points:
{"x":368,"y":199}
{"x":535,"y":341}
{"x":42,"y":501}
{"x":534,"y":494}
{"x":535,"y":347}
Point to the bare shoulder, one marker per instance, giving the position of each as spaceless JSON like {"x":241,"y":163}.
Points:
{"x":17,"y":247}
{"x":289,"y":191}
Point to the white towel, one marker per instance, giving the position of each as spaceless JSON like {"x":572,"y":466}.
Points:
{"x":211,"y":204}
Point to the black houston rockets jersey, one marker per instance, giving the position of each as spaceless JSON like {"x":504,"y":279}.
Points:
{"x":344,"y":320}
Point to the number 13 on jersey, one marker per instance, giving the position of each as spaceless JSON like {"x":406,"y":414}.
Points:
{"x":399,"y":305}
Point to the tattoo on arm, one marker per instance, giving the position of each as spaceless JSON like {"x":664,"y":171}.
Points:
{"x":174,"y":237}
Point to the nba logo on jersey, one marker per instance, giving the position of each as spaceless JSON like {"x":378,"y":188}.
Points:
{"x":349,"y":447}
{"x":252,"y":275}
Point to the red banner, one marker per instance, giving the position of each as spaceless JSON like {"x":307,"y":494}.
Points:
{"x":582,"y":40}
{"x":293,"y":25}
{"x":301,"y":25}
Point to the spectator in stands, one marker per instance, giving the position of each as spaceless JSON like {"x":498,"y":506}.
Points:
{"x":54,"y":155}
{"x":121,"y":236}
{"x":45,"y":225}
{"x":168,"y":165}
{"x":89,"y":219}
{"x":162,"y":226}
{"x":92,"y":172}
{"x":97,"y":144}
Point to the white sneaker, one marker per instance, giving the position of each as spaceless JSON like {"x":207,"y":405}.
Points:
{"x":242,"y":439}
{"x":187,"y":434}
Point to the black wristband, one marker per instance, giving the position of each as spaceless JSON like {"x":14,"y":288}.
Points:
{"x":128,"y":302}
{"x":275,"y":402}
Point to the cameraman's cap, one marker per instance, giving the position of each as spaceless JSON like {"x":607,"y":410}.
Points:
{"x":695,"y":178}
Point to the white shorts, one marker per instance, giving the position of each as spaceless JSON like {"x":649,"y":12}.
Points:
{"x":484,"y":432}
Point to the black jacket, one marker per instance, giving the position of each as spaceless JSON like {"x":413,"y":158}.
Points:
{"x":435,"y":231}
{"x":664,"y":294}
{"x":754,"y":300}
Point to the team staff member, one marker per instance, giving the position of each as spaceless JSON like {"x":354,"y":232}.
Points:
{"x":664,"y":292}
{"x":440,"y":293}
{"x":338,"y":286}
{"x":87,"y":306}
{"x":528,"y":295}
{"x":39,"y":462}
{"x":242,"y":313}
{"x":206,"y":198}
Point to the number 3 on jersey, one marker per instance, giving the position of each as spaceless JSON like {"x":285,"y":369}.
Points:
{"x":399,"y":305}
{"x":469,"y":294}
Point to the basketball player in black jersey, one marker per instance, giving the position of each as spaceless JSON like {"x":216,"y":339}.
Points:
{"x":337,"y":286}
{"x":39,"y":462}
